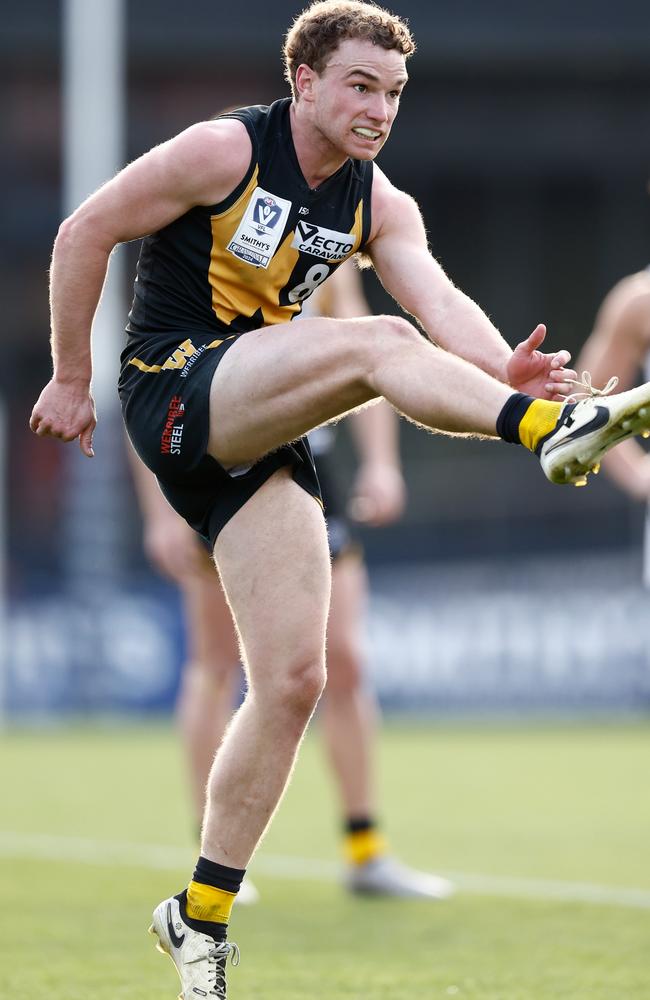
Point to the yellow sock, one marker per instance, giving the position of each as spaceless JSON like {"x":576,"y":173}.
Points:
{"x":362,"y":846}
{"x":205,"y":902}
{"x":539,"y":420}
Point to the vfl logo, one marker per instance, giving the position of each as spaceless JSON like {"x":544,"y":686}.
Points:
{"x":260,"y":230}
{"x":266,"y":214}
{"x":173,"y":936}
{"x":324,"y":243}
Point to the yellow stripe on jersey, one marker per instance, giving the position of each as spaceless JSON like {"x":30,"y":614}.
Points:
{"x":357,"y":228}
{"x":239,"y":288}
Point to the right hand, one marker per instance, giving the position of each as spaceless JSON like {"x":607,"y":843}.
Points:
{"x":66,"y":410}
{"x":378,"y":494}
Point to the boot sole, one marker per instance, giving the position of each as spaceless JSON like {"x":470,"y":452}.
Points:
{"x":574,"y":471}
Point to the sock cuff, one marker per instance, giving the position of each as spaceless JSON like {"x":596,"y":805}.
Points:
{"x":511,"y":416}
{"x":355,"y":824}
{"x":219,"y":876}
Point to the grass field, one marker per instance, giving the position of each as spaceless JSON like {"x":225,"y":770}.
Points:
{"x":547,"y":831}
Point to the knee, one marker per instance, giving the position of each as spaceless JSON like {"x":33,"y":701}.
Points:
{"x":397,"y":331}
{"x":389,"y":335}
{"x":300,"y":686}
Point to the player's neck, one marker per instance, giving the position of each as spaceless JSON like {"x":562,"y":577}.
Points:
{"x":317,"y":157}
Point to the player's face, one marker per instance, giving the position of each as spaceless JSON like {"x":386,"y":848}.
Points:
{"x":356,"y":97}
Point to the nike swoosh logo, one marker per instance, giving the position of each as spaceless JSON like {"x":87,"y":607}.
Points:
{"x":600,"y":417}
{"x":173,"y":936}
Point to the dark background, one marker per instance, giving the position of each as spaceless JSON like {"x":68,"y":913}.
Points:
{"x":524,"y":134}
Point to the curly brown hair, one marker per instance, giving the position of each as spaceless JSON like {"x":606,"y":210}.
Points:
{"x":322,"y":26}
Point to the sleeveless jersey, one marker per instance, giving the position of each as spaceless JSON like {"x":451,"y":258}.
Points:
{"x":251,"y":260}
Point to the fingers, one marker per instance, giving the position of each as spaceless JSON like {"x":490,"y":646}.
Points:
{"x":43,"y":428}
{"x":375,"y":511}
{"x":86,"y":441}
{"x":561,"y":359}
{"x":536,"y":337}
{"x":362,"y":509}
{"x":560,"y":384}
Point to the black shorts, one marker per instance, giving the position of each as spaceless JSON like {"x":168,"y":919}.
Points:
{"x":165,"y":398}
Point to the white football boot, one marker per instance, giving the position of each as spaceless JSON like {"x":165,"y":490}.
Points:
{"x":200,"y":960}
{"x":384,"y":876}
{"x":588,"y":428}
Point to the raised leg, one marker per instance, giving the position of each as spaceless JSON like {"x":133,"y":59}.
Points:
{"x":275,"y":385}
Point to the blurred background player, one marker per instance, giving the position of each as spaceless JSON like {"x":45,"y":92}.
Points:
{"x":620,"y":343}
{"x":347,"y":711}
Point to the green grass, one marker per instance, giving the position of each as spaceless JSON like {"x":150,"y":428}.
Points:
{"x":566,"y":803}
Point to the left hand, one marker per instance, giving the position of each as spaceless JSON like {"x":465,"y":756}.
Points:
{"x":379,"y":494}
{"x":537,"y":374}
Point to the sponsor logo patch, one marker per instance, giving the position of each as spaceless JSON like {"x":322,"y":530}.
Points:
{"x":324,"y":243}
{"x":259,"y":233}
{"x":171,"y":438}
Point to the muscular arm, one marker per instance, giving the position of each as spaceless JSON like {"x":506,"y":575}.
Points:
{"x":618,"y":345}
{"x":401,"y":256}
{"x":147,"y":195}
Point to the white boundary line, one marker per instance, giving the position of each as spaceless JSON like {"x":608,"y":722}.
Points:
{"x":157,"y":857}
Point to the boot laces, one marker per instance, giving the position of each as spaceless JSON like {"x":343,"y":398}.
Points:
{"x":586,"y":390}
{"x":218,"y":959}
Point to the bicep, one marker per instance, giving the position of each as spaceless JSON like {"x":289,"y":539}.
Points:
{"x":162,"y":185}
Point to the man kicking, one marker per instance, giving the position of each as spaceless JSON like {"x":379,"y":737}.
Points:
{"x":244,"y":217}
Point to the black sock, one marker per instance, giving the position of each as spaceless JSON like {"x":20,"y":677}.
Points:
{"x":220,"y":876}
{"x":511,"y":416}
{"x":358,"y":823}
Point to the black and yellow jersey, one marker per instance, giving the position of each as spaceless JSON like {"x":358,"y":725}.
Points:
{"x":251,"y":260}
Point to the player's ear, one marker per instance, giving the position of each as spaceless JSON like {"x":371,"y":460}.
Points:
{"x":305,"y":78}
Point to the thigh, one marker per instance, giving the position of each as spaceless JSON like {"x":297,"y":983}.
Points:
{"x":278,"y":383}
{"x":275,"y":568}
